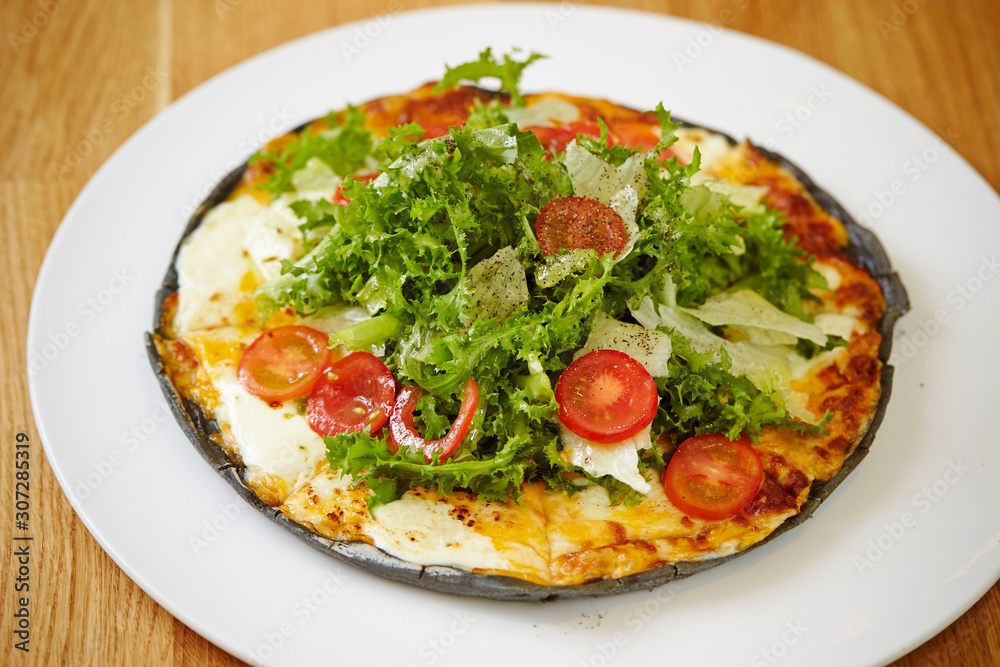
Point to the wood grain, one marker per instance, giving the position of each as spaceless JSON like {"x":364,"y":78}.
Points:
{"x":70,"y":91}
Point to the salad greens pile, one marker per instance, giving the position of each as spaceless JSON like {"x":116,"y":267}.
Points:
{"x":441,"y":251}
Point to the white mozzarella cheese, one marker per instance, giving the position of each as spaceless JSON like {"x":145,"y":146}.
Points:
{"x":271,"y":236}
{"x":712,"y":146}
{"x":239,"y":237}
{"x":273,"y":439}
{"x":212,"y":265}
{"x":829,"y":272}
{"x":423,"y":531}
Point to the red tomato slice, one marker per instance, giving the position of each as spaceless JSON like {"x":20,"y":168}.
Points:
{"x":711,"y":477}
{"x":403,"y":434}
{"x":555,"y":139}
{"x":434,"y":130}
{"x":606,"y":396}
{"x":637,"y":135}
{"x":355,"y":394}
{"x":567,"y":223}
{"x":284,"y":363}
{"x":338,"y":196}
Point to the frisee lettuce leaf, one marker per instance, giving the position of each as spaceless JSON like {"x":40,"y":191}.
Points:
{"x":508,"y":71}
{"x":701,"y":395}
{"x":344,"y":147}
{"x":486,"y":114}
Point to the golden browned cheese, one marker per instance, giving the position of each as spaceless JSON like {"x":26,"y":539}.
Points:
{"x":550,"y":537}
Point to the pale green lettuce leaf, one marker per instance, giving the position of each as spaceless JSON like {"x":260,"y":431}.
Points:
{"x":746,"y":308}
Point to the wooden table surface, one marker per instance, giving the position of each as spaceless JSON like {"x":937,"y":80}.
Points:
{"x":66,"y":66}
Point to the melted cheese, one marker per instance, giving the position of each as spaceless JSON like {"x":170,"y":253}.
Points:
{"x":713,"y":147}
{"x":239,"y":244}
{"x":212,"y":264}
{"x":271,"y":236}
{"x":829,"y":273}
{"x":425,"y":531}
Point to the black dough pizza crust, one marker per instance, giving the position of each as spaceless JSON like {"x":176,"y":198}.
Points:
{"x":864,"y":249}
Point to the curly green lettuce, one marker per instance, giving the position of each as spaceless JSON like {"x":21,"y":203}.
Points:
{"x":407,"y":248}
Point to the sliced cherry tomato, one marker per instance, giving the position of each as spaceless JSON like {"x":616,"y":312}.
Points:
{"x":644,"y":136}
{"x":434,"y":130}
{"x":636,"y":134}
{"x":567,"y":223}
{"x":403,"y":434}
{"x":284,"y":362}
{"x":338,"y":196}
{"x":555,"y":139}
{"x":711,"y":477}
{"x":606,"y":396}
{"x":355,"y":394}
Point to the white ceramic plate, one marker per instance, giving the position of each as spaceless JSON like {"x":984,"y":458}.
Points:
{"x":899,"y":551}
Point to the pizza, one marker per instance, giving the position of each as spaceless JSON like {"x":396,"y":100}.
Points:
{"x":525,"y":346}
